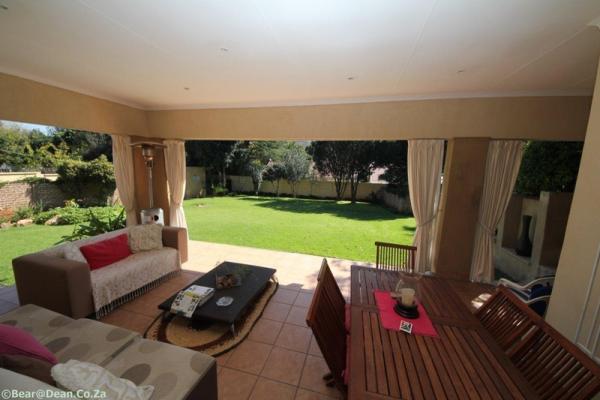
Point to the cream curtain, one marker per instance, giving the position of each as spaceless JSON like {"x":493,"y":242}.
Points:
{"x":424,"y":183}
{"x":123,"y":164}
{"x":175,"y":165}
{"x":501,"y":170}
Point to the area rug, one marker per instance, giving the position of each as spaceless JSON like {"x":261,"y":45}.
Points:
{"x":212,"y":338}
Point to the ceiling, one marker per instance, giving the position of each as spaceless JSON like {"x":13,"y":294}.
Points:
{"x":238,"y":53}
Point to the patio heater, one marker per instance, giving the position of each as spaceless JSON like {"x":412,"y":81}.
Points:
{"x":150,"y":215}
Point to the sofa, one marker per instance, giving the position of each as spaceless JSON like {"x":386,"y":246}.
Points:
{"x":175,"y":372}
{"x":50,"y":280}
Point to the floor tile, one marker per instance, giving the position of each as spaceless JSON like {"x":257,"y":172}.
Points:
{"x":291,"y":286}
{"x":6,"y":306}
{"x":223,"y":358}
{"x":312,"y":376}
{"x":277,"y":311}
{"x":266,"y":389}
{"x":313,"y":348}
{"x":285,"y":296}
{"x":249,"y":356}
{"x":128,"y":320}
{"x":297,"y":316}
{"x":303,"y":299}
{"x":294,"y":337}
{"x":304,"y":394}
{"x":284,"y":366}
{"x":235,"y":385}
{"x":265,"y":331}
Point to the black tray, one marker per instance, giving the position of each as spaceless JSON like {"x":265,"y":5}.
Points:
{"x":406,"y":312}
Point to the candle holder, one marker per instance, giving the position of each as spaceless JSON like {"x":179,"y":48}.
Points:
{"x":406,"y":303}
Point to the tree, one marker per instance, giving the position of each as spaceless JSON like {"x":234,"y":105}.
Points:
{"x":89,"y":182}
{"x":15,"y":148}
{"x":333,"y":159}
{"x":83,"y":145}
{"x":274,"y":174}
{"x":254,"y":158}
{"x":295,"y":165}
{"x":257,"y":170}
{"x":549,"y":166}
{"x":363,"y":161}
{"x":393,"y":156}
{"x":214,"y":155}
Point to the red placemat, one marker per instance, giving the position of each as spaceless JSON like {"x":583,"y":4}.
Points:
{"x":390,"y":320}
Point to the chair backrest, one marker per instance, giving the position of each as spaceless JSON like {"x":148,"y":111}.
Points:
{"x":395,"y":257}
{"x":327,"y":323}
{"x":555,"y":367}
{"x":331,"y":288}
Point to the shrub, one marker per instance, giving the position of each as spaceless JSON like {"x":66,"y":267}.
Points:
{"x":75,"y":215}
{"x":90,"y":183}
{"x":97,"y":224}
{"x":23,"y":213}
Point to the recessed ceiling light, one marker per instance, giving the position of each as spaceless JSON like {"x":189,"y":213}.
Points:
{"x":460,"y":71}
{"x":186,"y":88}
{"x":224,"y":49}
{"x":351,"y":78}
{"x":3,"y":7}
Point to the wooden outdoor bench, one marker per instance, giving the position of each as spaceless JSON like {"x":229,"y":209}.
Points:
{"x":555,"y":367}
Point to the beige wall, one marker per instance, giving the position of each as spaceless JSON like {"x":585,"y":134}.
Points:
{"x":582,"y":238}
{"x":24,"y":100}
{"x":551,"y":118}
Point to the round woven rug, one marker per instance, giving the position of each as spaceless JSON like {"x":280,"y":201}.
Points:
{"x":212,"y":338}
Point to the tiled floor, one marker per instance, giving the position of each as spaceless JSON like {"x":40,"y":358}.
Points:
{"x":279,"y":359}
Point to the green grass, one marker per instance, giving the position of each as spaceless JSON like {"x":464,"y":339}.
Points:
{"x":318,"y":227}
{"x":15,"y":242}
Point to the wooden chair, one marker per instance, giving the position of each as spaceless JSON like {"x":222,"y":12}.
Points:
{"x":326,"y":319}
{"x":555,"y":367}
{"x":395,"y":257}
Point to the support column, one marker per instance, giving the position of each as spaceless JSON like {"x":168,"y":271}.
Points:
{"x":464,"y":172}
{"x":159,"y":178}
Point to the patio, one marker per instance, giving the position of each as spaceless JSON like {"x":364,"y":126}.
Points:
{"x":280,"y":358}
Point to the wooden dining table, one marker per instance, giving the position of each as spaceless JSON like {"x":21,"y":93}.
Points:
{"x":464,"y":362}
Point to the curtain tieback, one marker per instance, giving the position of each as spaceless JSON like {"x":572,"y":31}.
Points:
{"x":430,"y":220}
{"x":486,"y":229}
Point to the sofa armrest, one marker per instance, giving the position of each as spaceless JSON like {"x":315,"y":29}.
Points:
{"x":54,"y":283}
{"x":177,"y":239}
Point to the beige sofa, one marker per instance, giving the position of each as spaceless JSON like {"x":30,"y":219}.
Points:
{"x":68,"y":287}
{"x":175,"y":372}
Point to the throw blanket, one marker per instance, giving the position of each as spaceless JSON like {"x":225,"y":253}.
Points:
{"x":126,"y":279}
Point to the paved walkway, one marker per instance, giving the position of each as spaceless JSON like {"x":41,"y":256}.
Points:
{"x":292,"y":268}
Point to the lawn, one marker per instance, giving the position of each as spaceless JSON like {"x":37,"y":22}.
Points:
{"x":319,"y":227}
{"x":15,"y":242}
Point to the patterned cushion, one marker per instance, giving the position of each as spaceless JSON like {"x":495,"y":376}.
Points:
{"x":145,"y":237}
{"x":173,"y":371}
{"x":88,"y":340}
{"x":36,"y":320}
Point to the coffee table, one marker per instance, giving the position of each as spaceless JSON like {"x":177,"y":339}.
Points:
{"x":254,"y":282}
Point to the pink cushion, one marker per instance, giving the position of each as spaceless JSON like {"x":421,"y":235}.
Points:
{"x":106,"y":252}
{"x":16,"y":341}
{"x":347,"y":320}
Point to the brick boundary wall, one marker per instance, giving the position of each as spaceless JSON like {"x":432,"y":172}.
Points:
{"x":21,"y":194}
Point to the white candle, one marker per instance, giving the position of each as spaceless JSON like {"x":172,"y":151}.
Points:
{"x":408,"y":297}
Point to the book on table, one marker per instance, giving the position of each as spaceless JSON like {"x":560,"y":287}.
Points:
{"x":191,"y":298}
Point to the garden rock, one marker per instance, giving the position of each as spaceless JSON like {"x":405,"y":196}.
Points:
{"x":53,"y":220}
{"x":5,"y":225}
{"x":23,"y":222}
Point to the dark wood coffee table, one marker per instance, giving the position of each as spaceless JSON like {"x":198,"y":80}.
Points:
{"x":254,"y":282}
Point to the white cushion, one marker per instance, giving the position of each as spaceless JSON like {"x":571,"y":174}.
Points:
{"x":145,"y":237}
{"x":72,"y":252}
{"x":76,"y":375}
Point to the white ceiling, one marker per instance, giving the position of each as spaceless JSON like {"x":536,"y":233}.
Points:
{"x":275,"y":52}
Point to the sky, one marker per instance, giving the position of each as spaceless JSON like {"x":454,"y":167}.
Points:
{"x":23,"y":125}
